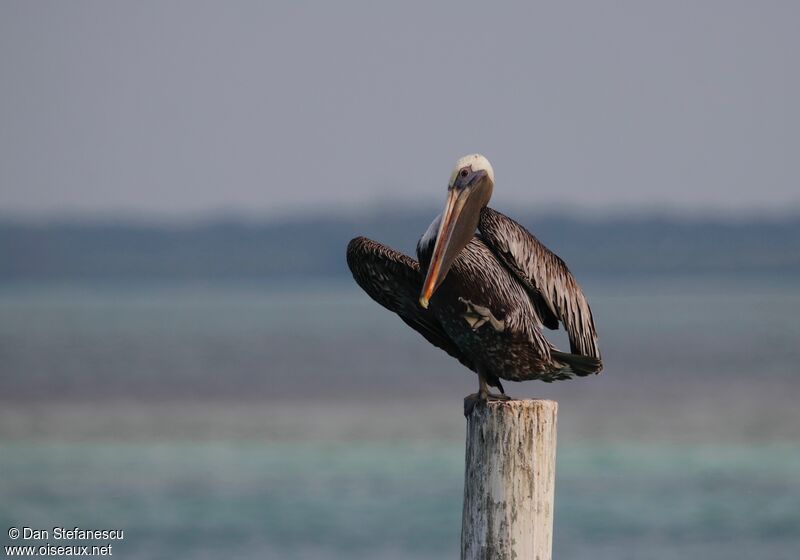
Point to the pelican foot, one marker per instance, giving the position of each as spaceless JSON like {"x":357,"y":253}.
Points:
{"x":477,"y":315}
{"x":471,"y":401}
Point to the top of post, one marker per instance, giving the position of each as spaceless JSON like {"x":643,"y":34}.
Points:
{"x":513,"y":406}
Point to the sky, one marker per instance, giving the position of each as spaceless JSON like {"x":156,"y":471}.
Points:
{"x":186,"y":108}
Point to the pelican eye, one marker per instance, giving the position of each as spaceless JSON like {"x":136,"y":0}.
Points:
{"x":464,"y":173}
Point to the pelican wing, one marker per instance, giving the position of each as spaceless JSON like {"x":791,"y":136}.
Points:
{"x":394,"y":280}
{"x":552,"y":288}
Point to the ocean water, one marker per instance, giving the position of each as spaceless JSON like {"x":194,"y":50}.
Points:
{"x":399,"y":500}
{"x":307,"y":423}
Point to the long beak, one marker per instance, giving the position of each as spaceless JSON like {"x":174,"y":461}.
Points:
{"x":446,"y":249}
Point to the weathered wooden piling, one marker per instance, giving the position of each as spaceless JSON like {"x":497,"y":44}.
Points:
{"x":509,"y":481}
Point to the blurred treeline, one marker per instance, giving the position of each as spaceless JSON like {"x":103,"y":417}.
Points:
{"x":313,"y":247}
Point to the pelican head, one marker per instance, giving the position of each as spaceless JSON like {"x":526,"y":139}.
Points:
{"x":468,"y":192}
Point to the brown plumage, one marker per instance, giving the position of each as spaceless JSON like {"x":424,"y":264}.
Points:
{"x":485,"y":296}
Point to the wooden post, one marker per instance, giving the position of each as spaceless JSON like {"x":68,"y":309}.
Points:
{"x":509,"y":482}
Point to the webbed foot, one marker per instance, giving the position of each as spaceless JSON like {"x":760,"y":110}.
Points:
{"x":471,"y":401}
{"x":477,"y":316}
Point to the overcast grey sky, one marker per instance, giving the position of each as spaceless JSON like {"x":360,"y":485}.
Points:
{"x":264,"y":107}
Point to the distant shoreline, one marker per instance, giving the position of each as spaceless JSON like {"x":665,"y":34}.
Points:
{"x":301,"y":248}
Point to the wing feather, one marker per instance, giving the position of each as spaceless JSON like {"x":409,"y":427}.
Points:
{"x":394,"y":281}
{"x":552,"y":288}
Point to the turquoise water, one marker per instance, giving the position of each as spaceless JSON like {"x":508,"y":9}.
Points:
{"x":240,"y":422}
{"x":400,"y":500}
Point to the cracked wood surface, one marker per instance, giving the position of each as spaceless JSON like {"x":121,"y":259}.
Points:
{"x":509,"y":481}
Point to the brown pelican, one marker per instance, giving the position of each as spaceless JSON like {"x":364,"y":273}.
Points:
{"x":483,"y":298}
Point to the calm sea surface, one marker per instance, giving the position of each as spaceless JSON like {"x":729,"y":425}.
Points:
{"x":307,"y":423}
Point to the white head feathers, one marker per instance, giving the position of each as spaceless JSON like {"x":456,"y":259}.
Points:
{"x":477,"y":162}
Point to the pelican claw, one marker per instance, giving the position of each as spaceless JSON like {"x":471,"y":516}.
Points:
{"x":473,"y":400}
{"x":477,"y":315}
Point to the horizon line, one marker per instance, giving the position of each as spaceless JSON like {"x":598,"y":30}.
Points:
{"x":243,"y":216}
